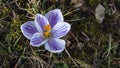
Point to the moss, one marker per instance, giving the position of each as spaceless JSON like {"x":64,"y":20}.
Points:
{"x":14,"y":30}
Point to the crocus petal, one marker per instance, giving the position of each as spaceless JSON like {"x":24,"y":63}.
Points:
{"x":37,"y":40}
{"x":28,"y":29}
{"x":55,"y":45}
{"x":40,"y":22}
{"x":60,"y":30}
{"x":54,"y":16}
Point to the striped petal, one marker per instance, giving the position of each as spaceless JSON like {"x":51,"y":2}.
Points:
{"x":37,"y":40}
{"x":60,"y":30}
{"x":28,"y":29}
{"x":40,"y":22}
{"x":55,"y":45}
{"x":54,"y":16}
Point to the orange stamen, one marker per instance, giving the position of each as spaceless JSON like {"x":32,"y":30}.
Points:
{"x":47,"y":30}
{"x":47,"y":27}
{"x":46,"y":34}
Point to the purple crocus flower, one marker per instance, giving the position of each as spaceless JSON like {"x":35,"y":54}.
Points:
{"x":47,"y":30}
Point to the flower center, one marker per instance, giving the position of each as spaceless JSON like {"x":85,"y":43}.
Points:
{"x":47,"y":30}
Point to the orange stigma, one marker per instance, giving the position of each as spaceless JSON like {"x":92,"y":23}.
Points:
{"x":47,"y":27}
{"x":47,"y":30}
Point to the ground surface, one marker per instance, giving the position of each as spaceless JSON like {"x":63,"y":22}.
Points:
{"x":90,"y":44}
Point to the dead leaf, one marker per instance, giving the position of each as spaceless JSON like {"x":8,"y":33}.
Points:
{"x":78,"y":3}
{"x":100,"y":13}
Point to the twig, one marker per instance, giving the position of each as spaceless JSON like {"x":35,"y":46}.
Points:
{"x":20,"y":58}
{"x":41,"y":61}
{"x":70,"y":57}
{"x":50,"y":58}
{"x":86,"y":36}
{"x":11,"y":2}
{"x":3,"y":17}
{"x":68,"y":13}
{"x":74,"y":37}
{"x":110,"y":40}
